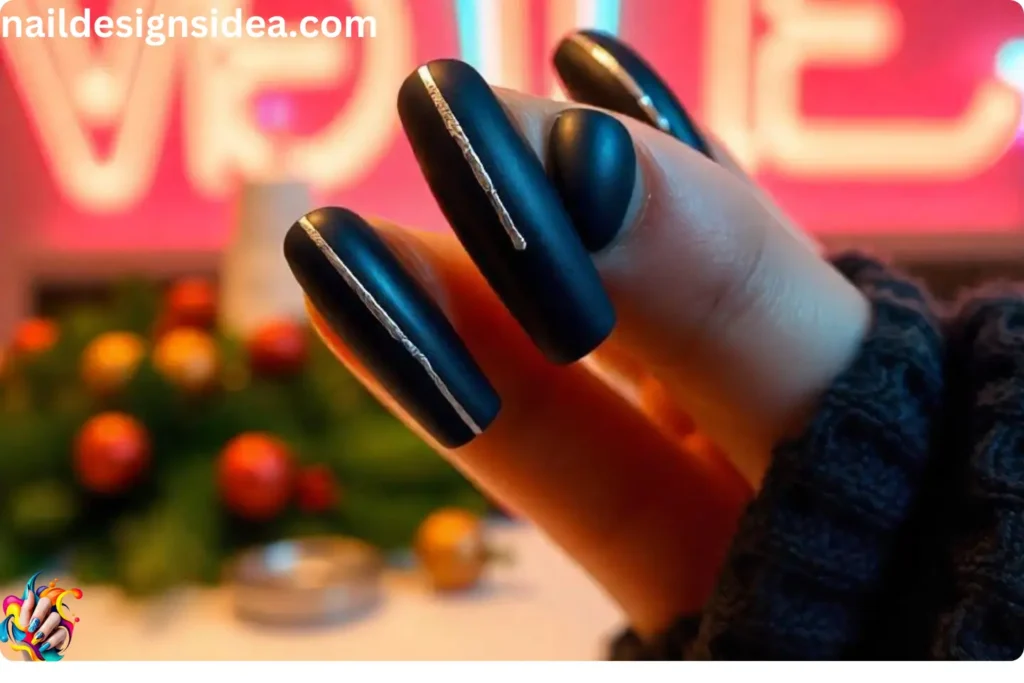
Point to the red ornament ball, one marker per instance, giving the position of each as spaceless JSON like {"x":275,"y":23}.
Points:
{"x":279,"y":348}
{"x":256,"y":476}
{"x":34,"y":337}
{"x":112,"y":452}
{"x":191,"y":302}
{"x":316,"y":489}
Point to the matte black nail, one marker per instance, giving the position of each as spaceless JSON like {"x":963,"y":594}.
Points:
{"x":390,"y":323}
{"x":592,"y":163}
{"x":496,"y":195}
{"x":602,"y":71}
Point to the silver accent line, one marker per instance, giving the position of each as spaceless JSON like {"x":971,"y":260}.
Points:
{"x":483,"y":178}
{"x":608,"y":61}
{"x":384,"y":319}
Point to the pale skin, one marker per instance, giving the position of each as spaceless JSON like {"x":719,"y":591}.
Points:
{"x":41,"y":614}
{"x":724,"y":308}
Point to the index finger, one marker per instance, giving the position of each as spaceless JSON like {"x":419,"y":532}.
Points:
{"x":27,"y":607}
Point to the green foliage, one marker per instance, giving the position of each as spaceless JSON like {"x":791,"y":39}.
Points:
{"x":372,"y":451}
{"x":172,"y":529}
{"x":43,"y":510}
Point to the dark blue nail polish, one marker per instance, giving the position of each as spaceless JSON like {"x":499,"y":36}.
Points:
{"x":33,"y":625}
{"x":390,"y":322}
{"x":499,"y":201}
{"x":600,"y":70}
{"x":592,"y":163}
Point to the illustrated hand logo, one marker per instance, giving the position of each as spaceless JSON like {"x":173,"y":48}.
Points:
{"x":39,"y":624}
{"x":42,"y":623}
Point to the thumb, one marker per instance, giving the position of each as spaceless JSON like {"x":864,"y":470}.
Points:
{"x":743,"y":324}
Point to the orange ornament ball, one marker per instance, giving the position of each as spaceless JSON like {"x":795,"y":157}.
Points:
{"x":34,"y":337}
{"x":279,"y":348}
{"x":112,"y":452}
{"x":191,"y":302}
{"x":256,"y":476}
{"x":188,"y":358}
{"x":452,"y":549}
{"x":110,"y":362}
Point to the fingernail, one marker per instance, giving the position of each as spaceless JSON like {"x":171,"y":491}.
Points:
{"x":45,"y":647}
{"x":602,"y":71}
{"x":33,"y":625}
{"x":390,"y":323}
{"x":30,"y":586}
{"x":592,"y":164}
{"x":496,"y":195}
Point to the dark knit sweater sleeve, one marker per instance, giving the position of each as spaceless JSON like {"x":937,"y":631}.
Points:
{"x":811,"y":554}
{"x":983,"y":615}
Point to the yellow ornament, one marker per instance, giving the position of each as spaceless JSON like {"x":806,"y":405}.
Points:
{"x":110,"y":361}
{"x":187,"y":357}
{"x":451,"y":547}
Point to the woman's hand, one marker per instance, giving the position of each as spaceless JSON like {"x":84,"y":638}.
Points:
{"x":40,"y":619}
{"x":722,"y":311}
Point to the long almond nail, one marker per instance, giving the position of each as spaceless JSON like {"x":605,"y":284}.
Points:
{"x":391,"y":324}
{"x":496,"y":195}
{"x":602,"y":71}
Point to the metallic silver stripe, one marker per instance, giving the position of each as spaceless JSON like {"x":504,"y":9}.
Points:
{"x":608,"y":61}
{"x":483,"y":178}
{"x":382,"y":316}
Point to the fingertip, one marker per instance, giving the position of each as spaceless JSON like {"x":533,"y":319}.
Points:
{"x":365,"y":296}
{"x":592,"y":164}
{"x":601,"y":70}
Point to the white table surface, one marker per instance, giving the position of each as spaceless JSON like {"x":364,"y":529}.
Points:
{"x":540,"y":607}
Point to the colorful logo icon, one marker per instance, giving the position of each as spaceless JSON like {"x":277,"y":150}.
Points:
{"x":39,"y":624}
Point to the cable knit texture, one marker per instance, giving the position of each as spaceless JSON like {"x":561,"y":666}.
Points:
{"x":813,"y":552}
{"x":984,"y":615}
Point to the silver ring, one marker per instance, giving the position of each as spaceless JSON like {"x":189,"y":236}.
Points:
{"x":310,"y":580}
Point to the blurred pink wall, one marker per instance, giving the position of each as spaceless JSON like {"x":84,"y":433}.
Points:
{"x":888,"y":119}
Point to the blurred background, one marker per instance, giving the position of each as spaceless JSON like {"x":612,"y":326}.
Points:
{"x":164,"y":407}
